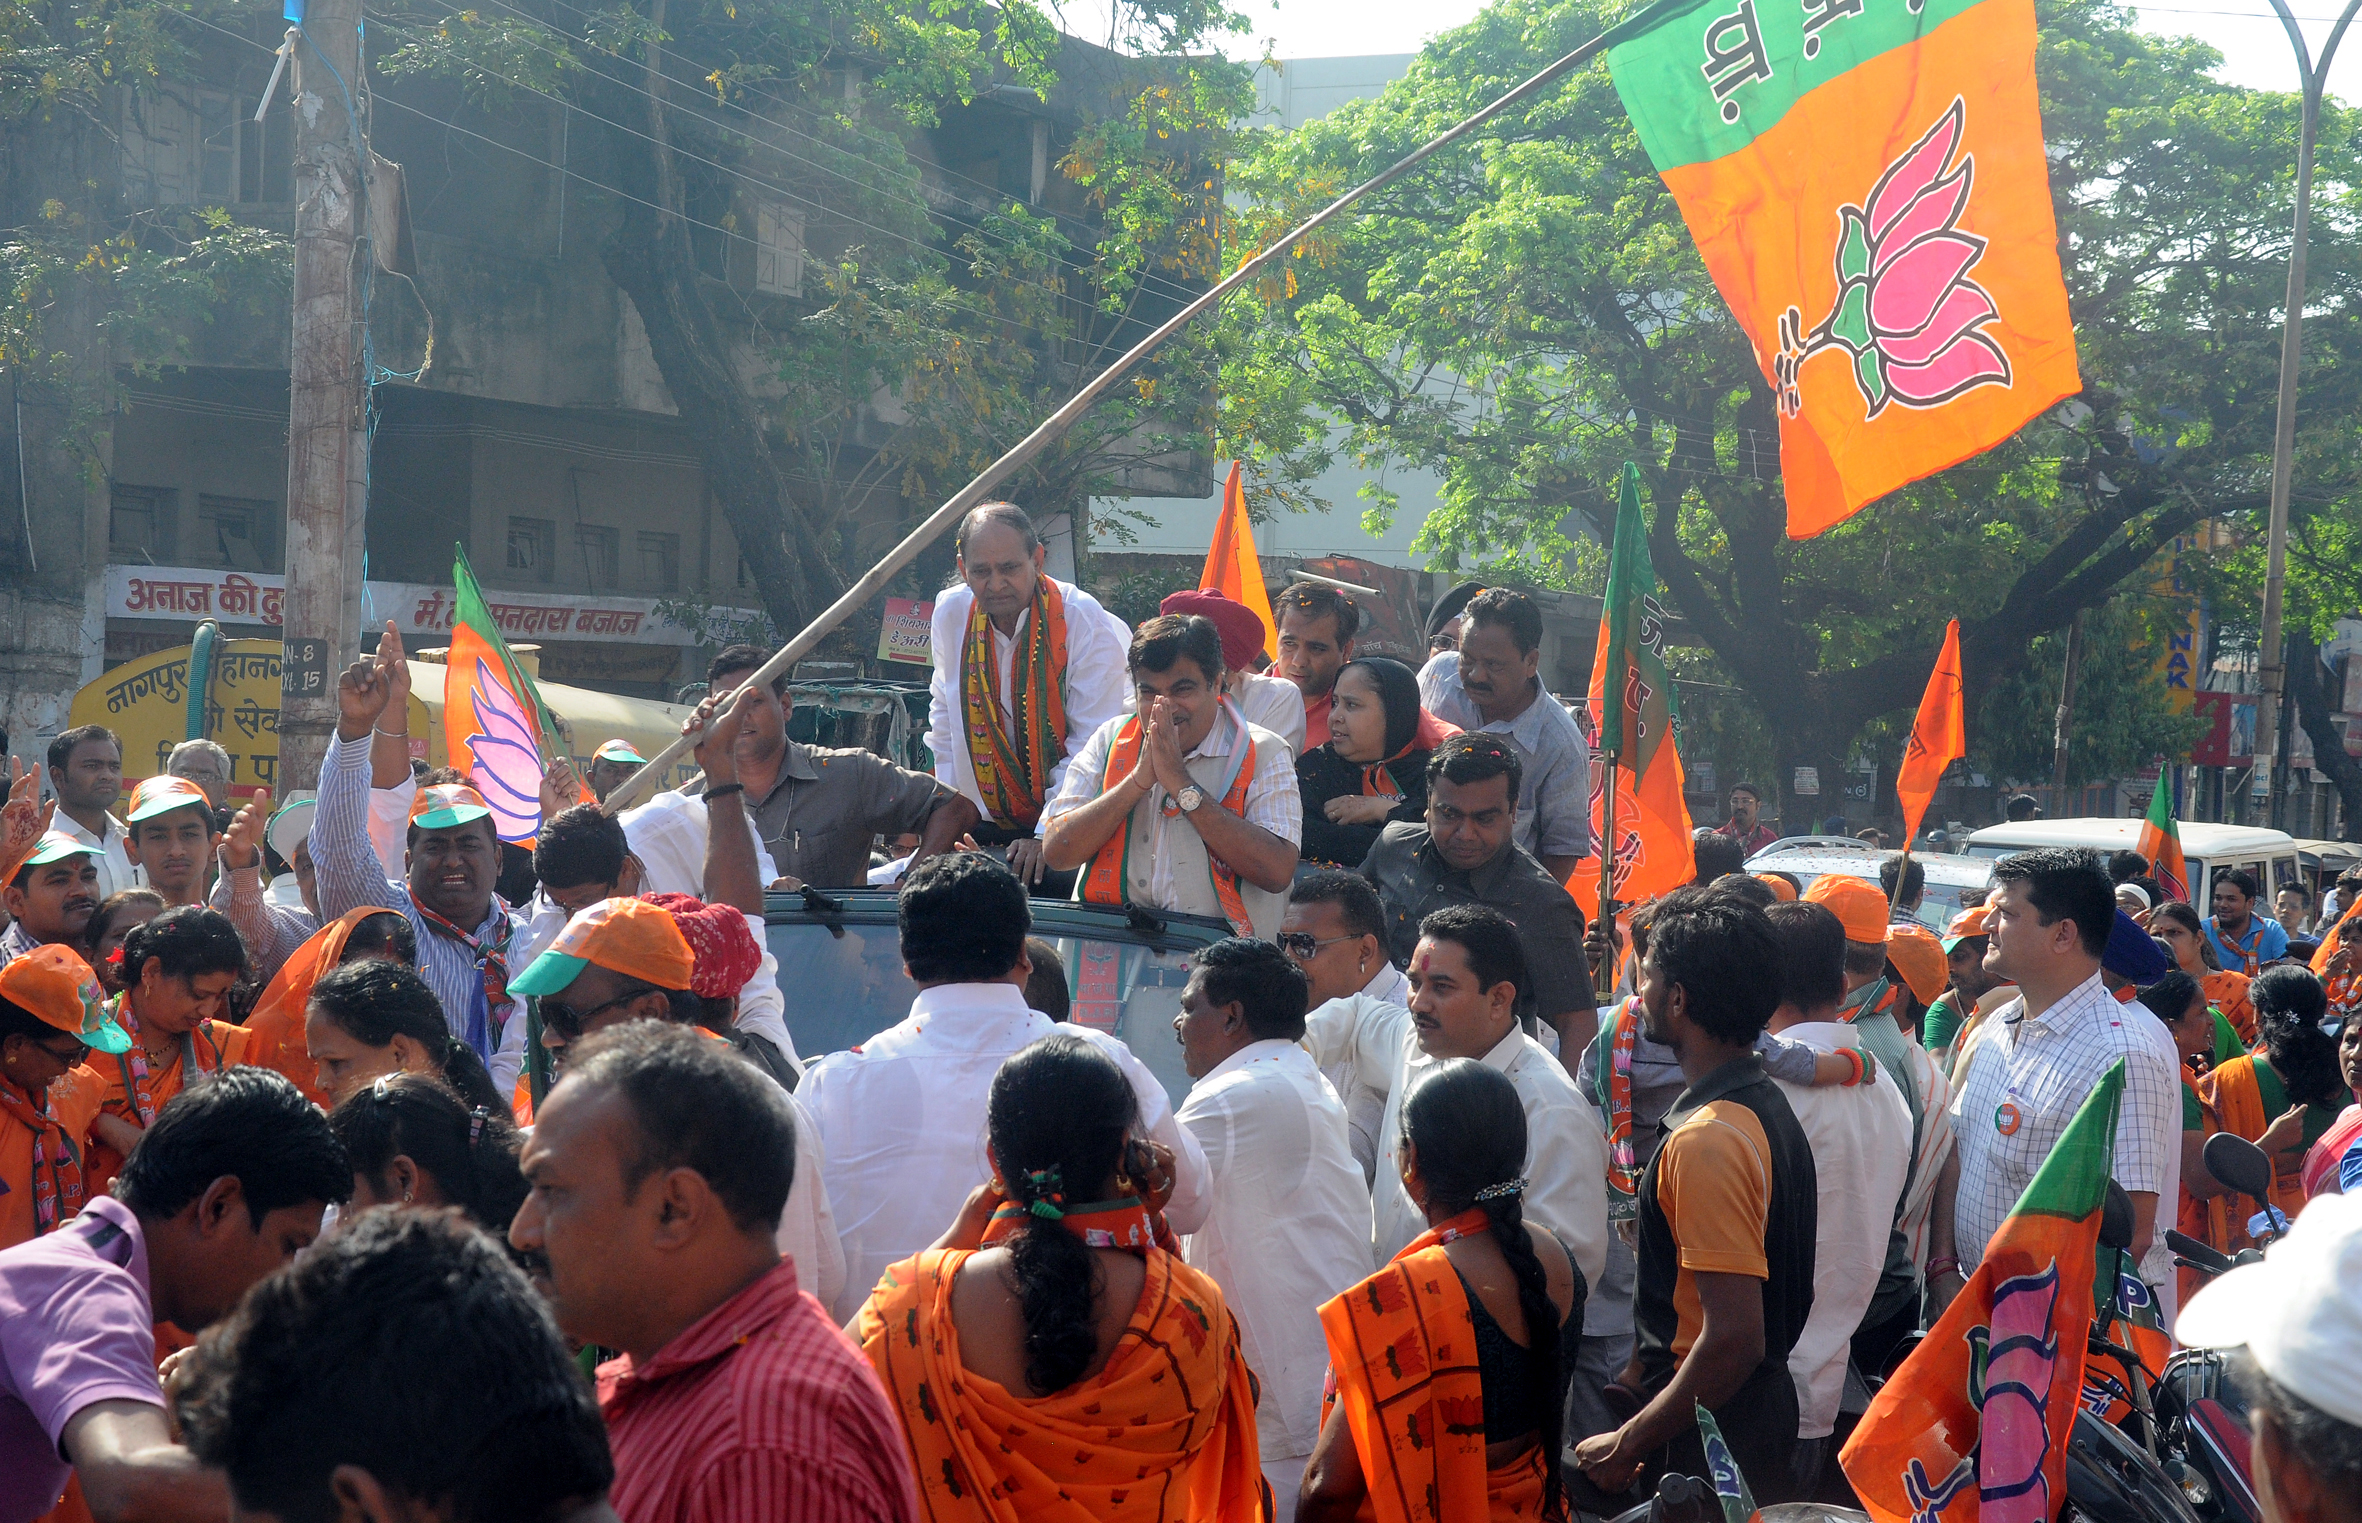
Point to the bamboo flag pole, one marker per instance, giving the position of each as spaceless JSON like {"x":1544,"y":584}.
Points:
{"x":1055,"y":426}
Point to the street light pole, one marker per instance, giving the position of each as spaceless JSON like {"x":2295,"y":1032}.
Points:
{"x":2273,"y":669}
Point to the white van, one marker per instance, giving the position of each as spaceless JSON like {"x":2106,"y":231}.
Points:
{"x":2269,"y":854}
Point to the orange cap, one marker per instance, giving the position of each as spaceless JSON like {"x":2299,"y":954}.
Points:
{"x":1781,"y":888}
{"x":57,"y":987}
{"x":1970,"y":922}
{"x":627,"y":936}
{"x":1861,"y":907}
{"x":1916,"y":954}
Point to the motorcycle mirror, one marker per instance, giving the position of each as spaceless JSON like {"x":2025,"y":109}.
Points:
{"x":2116,"y":1219}
{"x":2240,"y":1164}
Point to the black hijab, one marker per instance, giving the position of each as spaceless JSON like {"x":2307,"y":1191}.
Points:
{"x":1398,"y":694}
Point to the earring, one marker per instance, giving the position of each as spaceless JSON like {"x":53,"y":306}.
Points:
{"x":405,"y":1197}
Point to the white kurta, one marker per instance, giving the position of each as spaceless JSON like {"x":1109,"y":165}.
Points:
{"x":901,"y":1118}
{"x":1566,"y":1146}
{"x":1289,"y":1226}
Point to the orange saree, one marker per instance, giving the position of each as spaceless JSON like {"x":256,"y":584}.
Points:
{"x":1402,"y":1357}
{"x":1165,"y":1433}
{"x":274,"y":1028}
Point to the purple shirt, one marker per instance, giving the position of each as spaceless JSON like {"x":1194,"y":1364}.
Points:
{"x":76,"y":1328}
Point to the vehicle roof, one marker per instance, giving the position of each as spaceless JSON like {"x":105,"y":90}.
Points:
{"x":2330,"y":851}
{"x":1162,"y":929}
{"x":1834,"y":854}
{"x":2199,"y":839}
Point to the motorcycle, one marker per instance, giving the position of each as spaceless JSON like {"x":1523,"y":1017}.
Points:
{"x":2201,"y":1412}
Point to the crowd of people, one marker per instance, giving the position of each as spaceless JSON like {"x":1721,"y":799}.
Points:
{"x":1469,"y":1207}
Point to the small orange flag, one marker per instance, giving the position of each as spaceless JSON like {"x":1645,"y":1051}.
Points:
{"x":1231,"y":566}
{"x":1938,"y":736}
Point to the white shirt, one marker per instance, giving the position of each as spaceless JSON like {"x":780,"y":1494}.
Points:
{"x":902,"y":1120}
{"x":668,"y":834}
{"x":1861,"y":1145}
{"x":115,"y":870}
{"x":1272,"y":801}
{"x":2043,"y":1067}
{"x":1566,"y":1146}
{"x":1275,"y":703}
{"x":1365,"y":1104}
{"x":1098,"y":684}
{"x":1289,"y":1224}
{"x":807,"y":1228}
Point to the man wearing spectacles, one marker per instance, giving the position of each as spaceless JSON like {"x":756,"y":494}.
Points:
{"x":1335,"y":930}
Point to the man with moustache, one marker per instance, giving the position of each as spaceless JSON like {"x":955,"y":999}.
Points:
{"x":464,"y":930}
{"x":53,"y":896}
{"x":1492,"y":684}
{"x":86,"y":774}
{"x":1468,"y":974}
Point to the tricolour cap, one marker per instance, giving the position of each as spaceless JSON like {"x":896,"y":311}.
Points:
{"x":58,"y":987}
{"x":627,"y":936}
{"x":162,"y":795}
{"x":2299,"y":1312}
{"x":1861,"y":907}
{"x":446,"y":805}
{"x":292,"y":823}
{"x":56,"y":846}
{"x":619,"y":750}
{"x":1969,"y":922}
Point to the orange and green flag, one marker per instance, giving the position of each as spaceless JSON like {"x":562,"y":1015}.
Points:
{"x":1866,"y":182}
{"x":1632,"y":697}
{"x":495,"y":725}
{"x":1939,"y":737}
{"x":1973,"y":1428}
{"x":1231,"y":566}
{"x":2161,"y":842}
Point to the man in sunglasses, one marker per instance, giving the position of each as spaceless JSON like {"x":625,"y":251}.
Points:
{"x":1335,"y":931}
{"x":622,"y":960}
{"x":51,"y":1015}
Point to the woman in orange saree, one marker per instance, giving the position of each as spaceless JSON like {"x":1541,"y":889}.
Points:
{"x":274,"y":1028}
{"x":2282,"y":1097}
{"x":1449,"y":1367}
{"x":1052,"y":1360}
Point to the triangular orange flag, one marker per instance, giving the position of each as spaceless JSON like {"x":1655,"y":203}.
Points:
{"x":1938,"y":737}
{"x":1231,"y":566}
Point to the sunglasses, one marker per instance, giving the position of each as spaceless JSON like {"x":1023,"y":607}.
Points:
{"x":568,"y":1022}
{"x":1302,"y":946}
{"x":78,"y":1051}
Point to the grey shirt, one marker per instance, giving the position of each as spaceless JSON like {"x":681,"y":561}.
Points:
{"x":1413,"y":881}
{"x":829,"y":804}
{"x":1554,"y":797}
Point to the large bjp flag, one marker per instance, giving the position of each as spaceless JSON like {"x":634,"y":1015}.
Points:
{"x":1632,"y":698}
{"x":494,"y":721}
{"x":1973,"y":1428}
{"x":1938,"y":737}
{"x":1866,"y":181}
{"x":1231,"y":566}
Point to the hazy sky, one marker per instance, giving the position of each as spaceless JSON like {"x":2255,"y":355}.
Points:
{"x":2255,"y":50}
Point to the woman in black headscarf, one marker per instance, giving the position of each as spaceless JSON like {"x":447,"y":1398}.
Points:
{"x":1372,"y":769}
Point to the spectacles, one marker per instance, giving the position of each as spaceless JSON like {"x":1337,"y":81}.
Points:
{"x":567,"y":1022}
{"x":1302,"y":946}
{"x":67,"y":1059}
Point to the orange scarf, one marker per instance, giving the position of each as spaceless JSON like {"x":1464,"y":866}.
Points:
{"x":274,"y":1028}
{"x":1013,"y":762}
{"x":1105,"y":881}
{"x":2345,"y":989}
{"x":1402,"y":1363}
{"x":2227,"y":992}
{"x":1165,"y":1433}
{"x":2235,"y":1103}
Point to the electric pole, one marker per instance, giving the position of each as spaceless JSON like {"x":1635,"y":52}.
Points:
{"x":327,"y":443}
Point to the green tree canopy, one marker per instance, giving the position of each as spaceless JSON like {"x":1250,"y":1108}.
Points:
{"x":1528,"y":311}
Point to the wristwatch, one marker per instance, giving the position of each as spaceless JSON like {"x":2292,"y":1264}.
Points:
{"x":1189,"y":798}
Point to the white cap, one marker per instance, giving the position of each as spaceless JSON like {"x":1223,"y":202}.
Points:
{"x":291,"y":823}
{"x":2299,"y":1312}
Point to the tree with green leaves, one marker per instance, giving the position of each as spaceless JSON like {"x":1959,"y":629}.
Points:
{"x":1528,"y":311}
{"x":935,"y":338}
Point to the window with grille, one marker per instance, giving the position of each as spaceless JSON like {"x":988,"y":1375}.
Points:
{"x":596,"y":545}
{"x":532,"y":548}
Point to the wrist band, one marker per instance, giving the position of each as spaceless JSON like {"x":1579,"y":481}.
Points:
{"x":1942,"y":1266}
{"x":390,"y":734}
{"x":720,"y":789}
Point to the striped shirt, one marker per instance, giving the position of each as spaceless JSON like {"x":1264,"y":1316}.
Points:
{"x":271,"y":932}
{"x":759,"y":1411}
{"x":2024,"y":1081}
{"x":349,"y":875}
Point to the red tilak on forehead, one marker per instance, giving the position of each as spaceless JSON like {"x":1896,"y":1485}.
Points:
{"x":1426,"y":960}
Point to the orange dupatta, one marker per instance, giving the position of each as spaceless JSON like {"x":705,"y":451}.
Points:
{"x":2227,"y":992}
{"x":274,"y":1027}
{"x":1165,"y":1433}
{"x":2234,"y":1103}
{"x":1402,"y":1363}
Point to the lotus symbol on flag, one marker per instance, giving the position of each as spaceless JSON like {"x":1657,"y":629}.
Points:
{"x":506,"y":766}
{"x":1906,"y":310}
